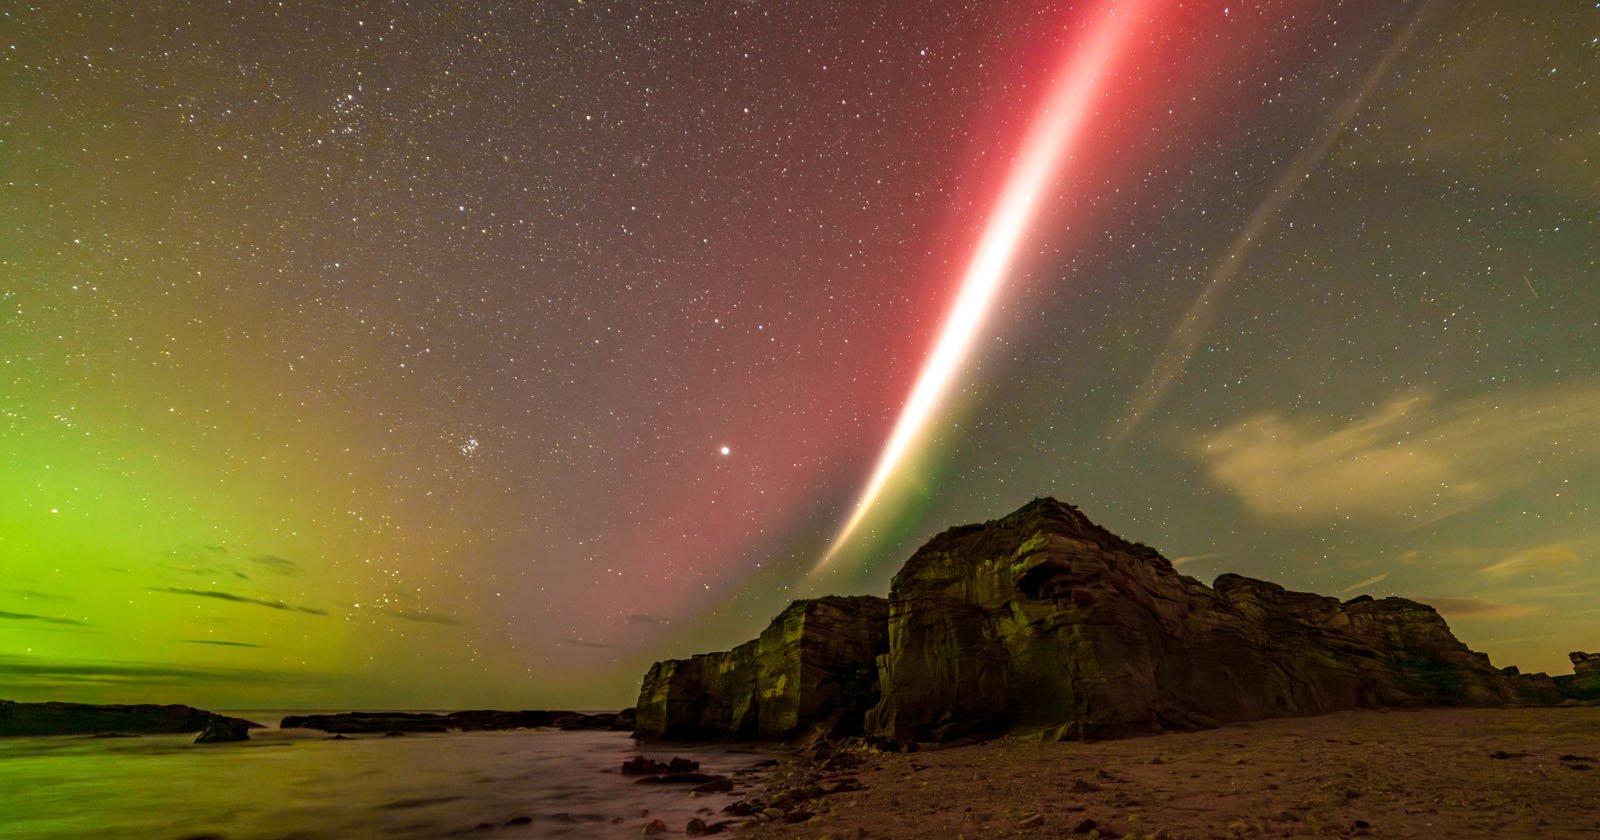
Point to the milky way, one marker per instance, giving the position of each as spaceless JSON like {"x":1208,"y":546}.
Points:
{"x":384,"y":354}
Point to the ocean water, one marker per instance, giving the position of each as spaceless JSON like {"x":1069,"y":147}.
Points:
{"x":299,"y":784}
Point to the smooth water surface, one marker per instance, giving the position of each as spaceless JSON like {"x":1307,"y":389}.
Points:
{"x":301,"y":784}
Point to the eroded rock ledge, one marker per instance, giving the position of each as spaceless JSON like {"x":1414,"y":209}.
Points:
{"x":814,"y":665}
{"x":468,"y":721}
{"x":1044,"y":623}
{"x":88,"y":719}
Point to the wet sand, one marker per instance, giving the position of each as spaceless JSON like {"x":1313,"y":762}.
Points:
{"x":1435,"y":773}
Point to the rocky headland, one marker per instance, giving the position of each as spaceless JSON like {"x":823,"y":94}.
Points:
{"x":1044,"y":624}
{"x":350,"y":723}
{"x":85,"y":719}
{"x":813,"y":666}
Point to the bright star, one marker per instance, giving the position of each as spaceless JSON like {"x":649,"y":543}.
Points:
{"x":726,"y":451}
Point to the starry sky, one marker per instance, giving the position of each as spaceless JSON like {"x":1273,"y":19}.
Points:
{"x":396,"y":354}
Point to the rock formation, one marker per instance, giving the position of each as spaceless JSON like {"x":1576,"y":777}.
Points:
{"x":814,"y":666}
{"x":1584,"y":682}
{"x":1043,"y":622}
{"x":468,"y":721}
{"x":223,"y":731}
{"x":86,"y":719}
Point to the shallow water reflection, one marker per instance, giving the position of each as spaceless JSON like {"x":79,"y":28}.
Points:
{"x":300,"y":784}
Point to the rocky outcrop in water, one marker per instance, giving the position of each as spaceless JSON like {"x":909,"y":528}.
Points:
{"x":1043,"y":622}
{"x":813,"y":667}
{"x":86,"y":719}
{"x":220,"y":732}
{"x":468,"y":721}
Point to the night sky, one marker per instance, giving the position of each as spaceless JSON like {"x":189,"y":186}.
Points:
{"x":390,"y":354}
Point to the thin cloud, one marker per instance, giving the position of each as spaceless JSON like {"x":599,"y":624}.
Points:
{"x":1190,"y":333}
{"x":646,"y":618}
{"x":36,"y":595}
{"x":277,"y":565}
{"x":17,"y":669}
{"x":47,"y":619}
{"x":1359,"y":585}
{"x":238,"y":599}
{"x":422,"y":616}
{"x":1185,"y":559}
{"x":1413,"y":458}
{"x":220,"y":643}
{"x":581,"y":643}
{"x":1474,"y":608}
{"x":1552,"y":557}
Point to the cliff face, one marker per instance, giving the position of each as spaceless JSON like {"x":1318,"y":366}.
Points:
{"x":1584,"y":682}
{"x":1043,"y":622}
{"x":814,"y":666}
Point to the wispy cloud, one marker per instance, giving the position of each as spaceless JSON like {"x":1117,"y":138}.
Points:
{"x":1185,"y":559}
{"x":47,"y":619}
{"x":581,"y":643}
{"x":1360,"y":585}
{"x":238,"y":599}
{"x":646,"y":618}
{"x":1552,"y":557}
{"x":220,"y":643}
{"x":1414,"y":458}
{"x":1190,"y":332}
{"x":40,"y":671}
{"x":421,"y":616}
{"x":36,"y":595}
{"x":1474,"y":608}
{"x":277,"y":565}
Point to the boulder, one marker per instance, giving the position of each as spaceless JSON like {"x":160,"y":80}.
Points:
{"x":223,"y":731}
{"x":813,"y":667}
{"x":1583,"y":684}
{"x":642,"y":766}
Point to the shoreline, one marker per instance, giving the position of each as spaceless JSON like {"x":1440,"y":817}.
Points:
{"x":1401,"y":773}
{"x":296,"y":782}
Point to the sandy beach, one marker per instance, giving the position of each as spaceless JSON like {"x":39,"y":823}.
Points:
{"x":1435,"y":773}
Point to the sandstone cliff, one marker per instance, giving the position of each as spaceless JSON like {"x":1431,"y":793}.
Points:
{"x":814,"y":666}
{"x":1044,"y":623}
{"x":1584,"y":682}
